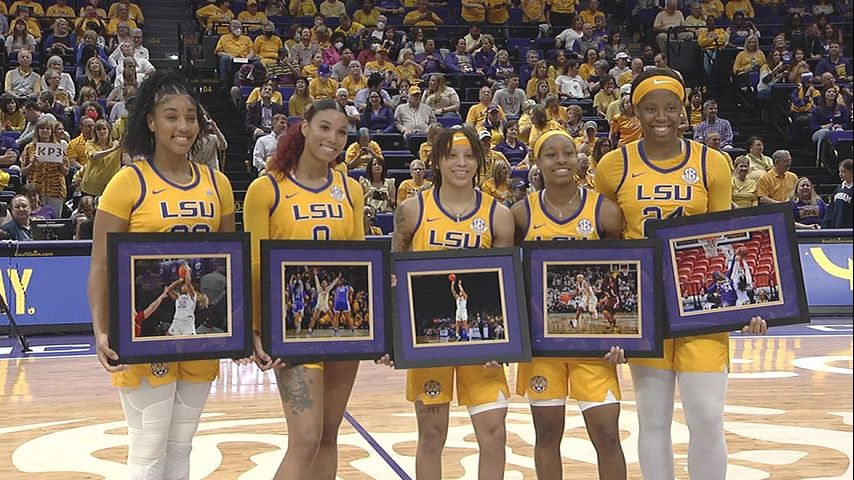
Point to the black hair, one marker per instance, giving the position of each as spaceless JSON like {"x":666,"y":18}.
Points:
{"x":139,"y":140}
{"x":442,"y":148}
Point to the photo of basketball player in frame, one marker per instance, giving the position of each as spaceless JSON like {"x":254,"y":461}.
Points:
{"x":179,"y":297}
{"x":724,"y":267}
{"x":325,"y":300}
{"x":459,"y":307}
{"x":587,"y":296}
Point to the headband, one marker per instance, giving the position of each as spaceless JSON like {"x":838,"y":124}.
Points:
{"x":657,"y":82}
{"x":538,"y":145}
{"x":460,"y":140}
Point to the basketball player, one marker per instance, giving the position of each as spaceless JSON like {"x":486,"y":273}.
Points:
{"x":142,"y":315}
{"x":302,"y":198}
{"x":461,"y":319}
{"x":586,"y":302}
{"x":656,"y":178}
{"x":565,"y":211}
{"x":724,"y":289}
{"x":610,"y":299}
{"x":297,"y":290}
{"x":321,"y":306}
{"x":341,"y":307}
{"x":165,"y":192}
{"x":742,"y":278}
{"x":455,"y":215}
{"x":184,"y":320}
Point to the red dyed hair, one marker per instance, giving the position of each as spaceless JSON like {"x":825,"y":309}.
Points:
{"x":290,"y":146}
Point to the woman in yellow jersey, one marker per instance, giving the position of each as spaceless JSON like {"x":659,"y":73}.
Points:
{"x":423,"y":222}
{"x":162,"y":402}
{"x":299,"y":179}
{"x":562,"y":211}
{"x":698,"y":181}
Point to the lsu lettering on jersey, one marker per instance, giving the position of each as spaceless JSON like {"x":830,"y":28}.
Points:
{"x":280,"y":208}
{"x":439,"y":230}
{"x":695,"y":182}
{"x":152,"y":203}
{"x":584,"y":225}
{"x":666,"y":189}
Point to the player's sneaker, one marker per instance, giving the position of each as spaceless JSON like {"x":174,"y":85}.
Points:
{"x":308,"y":335}
{"x":336,"y":333}
{"x":299,"y":328}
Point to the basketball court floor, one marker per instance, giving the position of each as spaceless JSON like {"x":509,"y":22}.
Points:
{"x":788,"y":416}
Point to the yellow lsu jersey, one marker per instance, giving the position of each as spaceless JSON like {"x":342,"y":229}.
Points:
{"x":296,"y":212}
{"x":667,"y":189}
{"x":152,"y":203}
{"x":583,"y":225}
{"x":437,"y":229}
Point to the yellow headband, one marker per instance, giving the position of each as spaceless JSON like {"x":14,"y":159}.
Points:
{"x":658,"y":82}
{"x":460,"y":140}
{"x":538,"y":145}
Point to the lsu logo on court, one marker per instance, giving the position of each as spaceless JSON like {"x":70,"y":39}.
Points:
{"x":318,"y":211}
{"x":681,"y":193}
{"x":19,"y":281}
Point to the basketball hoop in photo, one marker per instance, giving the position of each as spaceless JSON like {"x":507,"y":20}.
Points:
{"x":710,"y":246}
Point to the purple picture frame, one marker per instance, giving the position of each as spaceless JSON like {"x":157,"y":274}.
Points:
{"x":644,"y":254}
{"x":373,"y":255}
{"x":125,"y":248}
{"x":515,"y":347}
{"x":777,"y":219}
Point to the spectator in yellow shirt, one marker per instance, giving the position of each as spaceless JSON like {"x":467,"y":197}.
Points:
{"x":34,"y":7}
{"x":32,"y":23}
{"x":367,"y":15}
{"x":60,"y":9}
{"x":134,"y":11}
{"x":362,"y":150}
{"x":710,"y":40}
{"x":743,"y":6}
{"x":268,"y":44}
{"x":251,"y":18}
{"x":323,"y":86}
{"x":477,"y":112}
{"x":122,"y":16}
{"x":497,"y":11}
{"x":591,"y":12}
{"x":212,"y":14}
{"x":311,"y":70}
{"x":230,"y":46}
{"x":383,"y":66}
{"x":355,"y":81}
{"x":300,"y":100}
{"x":422,"y":16}
{"x":777,"y":184}
{"x":412,"y":186}
{"x":533,"y":11}
{"x":474,"y":11}
{"x":332,"y":8}
{"x":302,"y":8}
{"x":561,"y":13}
{"x":712,"y":7}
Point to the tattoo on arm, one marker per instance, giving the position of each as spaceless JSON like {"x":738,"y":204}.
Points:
{"x":402,"y":238}
{"x":295,"y":388}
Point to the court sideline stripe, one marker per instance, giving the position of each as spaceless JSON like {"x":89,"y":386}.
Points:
{"x":377,"y":447}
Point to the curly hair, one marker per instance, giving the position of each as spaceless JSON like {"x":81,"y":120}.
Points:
{"x":442,"y":148}
{"x":290,"y":146}
{"x":138,"y":138}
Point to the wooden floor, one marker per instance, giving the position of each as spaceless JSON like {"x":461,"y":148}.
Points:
{"x":789,"y":416}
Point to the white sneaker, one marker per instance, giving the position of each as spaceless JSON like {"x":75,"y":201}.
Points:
{"x":299,"y":328}
{"x":308,"y":335}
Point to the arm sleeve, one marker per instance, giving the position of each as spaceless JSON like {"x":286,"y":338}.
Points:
{"x":720,"y":182}
{"x":256,"y":221}
{"x":121,"y":193}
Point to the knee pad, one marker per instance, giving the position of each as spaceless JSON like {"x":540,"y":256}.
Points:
{"x":177,"y":461}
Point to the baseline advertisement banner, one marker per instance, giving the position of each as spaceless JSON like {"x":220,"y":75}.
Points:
{"x":828,"y":273}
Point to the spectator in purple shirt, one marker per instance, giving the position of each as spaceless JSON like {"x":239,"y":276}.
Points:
{"x":835,"y":63}
{"x":377,"y":117}
{"x":459,"y":61}
{"x":430,"y":59}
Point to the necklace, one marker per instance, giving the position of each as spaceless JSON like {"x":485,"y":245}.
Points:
{"x":559,"y":211}
{"x":465,"y":209}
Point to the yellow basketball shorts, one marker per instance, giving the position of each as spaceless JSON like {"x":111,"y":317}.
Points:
{"x":582,"y":379}
{"x":162,"y":373}
{"x":476,"y":385}
{"x":704,"y":353}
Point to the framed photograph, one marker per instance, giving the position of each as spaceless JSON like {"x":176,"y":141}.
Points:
{"x":720,"y":269}
{"x":587,"y":296}
{"x":325,"y":300}
{"x":459,"y":307}
{"x":179,"y":296}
